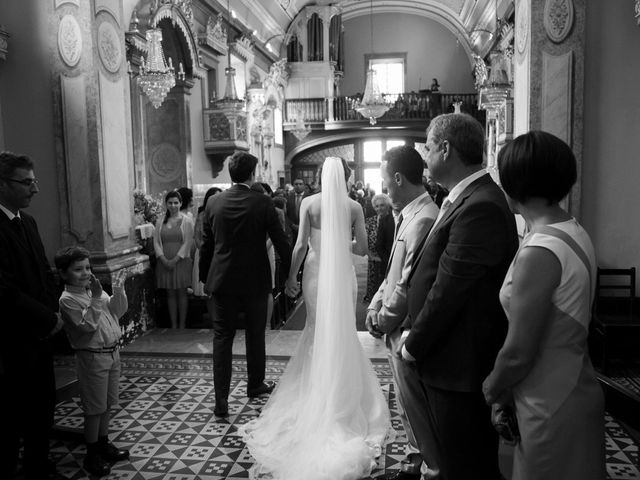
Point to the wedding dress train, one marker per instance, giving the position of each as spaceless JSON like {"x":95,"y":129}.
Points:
{"x":328,"y":417}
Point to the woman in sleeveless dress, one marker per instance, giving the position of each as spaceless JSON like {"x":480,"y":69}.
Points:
{"x":544,"y":364}
{"x":328,"y":417}
{"x":172,"y":241}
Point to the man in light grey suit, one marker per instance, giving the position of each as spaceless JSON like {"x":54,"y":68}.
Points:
{"x":402,"y":174}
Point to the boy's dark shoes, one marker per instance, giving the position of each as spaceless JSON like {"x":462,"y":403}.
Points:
{"x":110,"y":453}
{"x":95,"y":465}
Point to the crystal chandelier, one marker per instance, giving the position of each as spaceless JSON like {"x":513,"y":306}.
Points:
{"x":156,"y":78}
{"x":300,"y":130}
{"x":372,"y":105}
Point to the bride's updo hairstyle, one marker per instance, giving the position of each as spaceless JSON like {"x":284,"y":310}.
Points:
{"x":345,"y":167}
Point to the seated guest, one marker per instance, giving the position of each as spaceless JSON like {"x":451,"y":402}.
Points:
{"x":380,"y":230}
{"x":91,"y":321}
{"x":544,"y":366}
{"x":172,"y":240}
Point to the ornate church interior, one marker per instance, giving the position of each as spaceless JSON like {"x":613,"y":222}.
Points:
{"x":118,"y":102}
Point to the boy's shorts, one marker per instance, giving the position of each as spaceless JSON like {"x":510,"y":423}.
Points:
{"x":99,"y":380}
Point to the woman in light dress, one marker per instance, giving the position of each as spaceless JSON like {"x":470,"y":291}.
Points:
{"x":328,"y":417}
{"x":172,"y":241}
{"x":544,"y":364}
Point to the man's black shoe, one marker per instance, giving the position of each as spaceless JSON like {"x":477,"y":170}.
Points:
{"x":400,"y":475}
{"x":221,"y":409}
{"x":266,"y":387}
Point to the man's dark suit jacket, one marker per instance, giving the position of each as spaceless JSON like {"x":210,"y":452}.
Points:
{"x":456,"y":320}
{"x":233,"y":256}
{"x":27,"y":290}
{"x":292,"y":213}
{"x":384,"y":238}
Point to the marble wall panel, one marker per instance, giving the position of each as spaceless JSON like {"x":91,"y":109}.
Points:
{"x":78,"y":188}
{"x":557,"y":94}
{"x":114,"y":156}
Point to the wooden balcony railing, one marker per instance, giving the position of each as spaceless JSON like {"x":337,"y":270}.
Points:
{"x":403,"y":107}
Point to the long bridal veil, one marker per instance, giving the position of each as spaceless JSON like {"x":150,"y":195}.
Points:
{"x":328,"y":417}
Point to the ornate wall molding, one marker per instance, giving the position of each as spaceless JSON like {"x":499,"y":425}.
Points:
{"x":558,"y":19}
{"x":243,"y":47}
{"x":215,"y":35}
{"x":638,"y":11}
{"x":69,"y":40}
{"x":4,"y":43}
{"x":522,"y":26}
{"x":62,"y":2}
{"x":109,"y":47}
{"x":109,"y":6}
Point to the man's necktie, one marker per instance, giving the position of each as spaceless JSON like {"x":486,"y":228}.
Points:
{"x":446,"y":203}
{"x":19,"y":227}
{"x":398,"y":223}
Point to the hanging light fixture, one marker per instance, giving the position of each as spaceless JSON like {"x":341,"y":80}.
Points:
{"x":372,"y":105}
{"x":300,"y":130}
{"x":230,"y":92}
{"x":156,"y":77}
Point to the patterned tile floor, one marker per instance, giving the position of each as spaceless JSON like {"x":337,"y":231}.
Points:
{"x":165,"y":419}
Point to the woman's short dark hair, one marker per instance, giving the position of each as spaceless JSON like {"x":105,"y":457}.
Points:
{"x":241,"y":166}
{"x":406,"y":160}
{"x":66,"y":256}
{"x":167,"y":197}
{"x":537,"y":165}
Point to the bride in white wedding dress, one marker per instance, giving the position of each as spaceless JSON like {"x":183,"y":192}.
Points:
{"x":327,"y":418}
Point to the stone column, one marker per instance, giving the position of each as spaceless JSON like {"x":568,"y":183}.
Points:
{"x":549,"y":73}
{"x":94,"y":148}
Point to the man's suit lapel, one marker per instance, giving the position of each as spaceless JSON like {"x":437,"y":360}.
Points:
{"x":405,"y":224}
{"x":462,"y":198}
{"x":16,"y":238}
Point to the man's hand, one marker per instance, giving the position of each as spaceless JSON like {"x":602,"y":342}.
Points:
{"x":371,"y":322}
{"x":58,"y":326}
{"x":292,"y":287}
{"x":95,"y":286}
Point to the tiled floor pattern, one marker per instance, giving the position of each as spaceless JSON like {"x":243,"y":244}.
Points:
{"x":165,"y":419}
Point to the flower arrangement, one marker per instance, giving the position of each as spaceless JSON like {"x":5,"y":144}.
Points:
{"x":147,"y":208}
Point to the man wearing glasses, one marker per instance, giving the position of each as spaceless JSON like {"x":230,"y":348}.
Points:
{"x":29,"y":302}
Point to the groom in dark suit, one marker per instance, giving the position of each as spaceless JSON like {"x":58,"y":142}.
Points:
{"x":455,"y":324}
{"x":235,"y":270}
{"x":29,"y":301}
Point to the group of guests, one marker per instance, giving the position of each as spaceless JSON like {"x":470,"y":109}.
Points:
{"x":475,"y":322}
{"x":178,"y":238}
{"x":472,"y":320}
